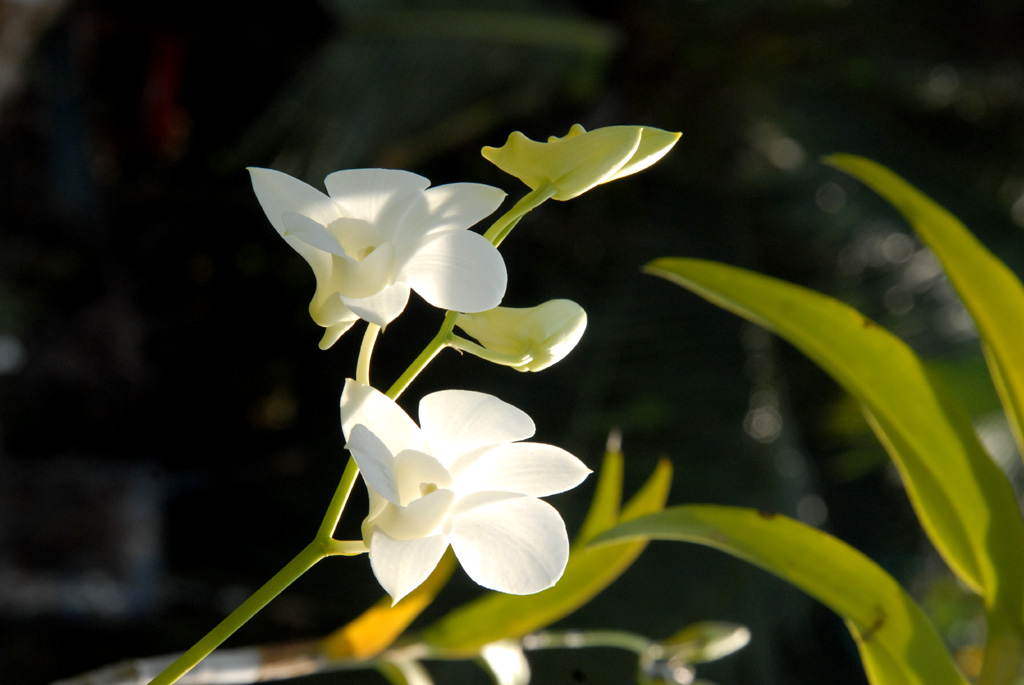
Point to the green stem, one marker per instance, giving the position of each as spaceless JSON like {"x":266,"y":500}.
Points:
{"x":460,"y":343}
{"x":345,"y":548}
{"x":500,"y":229}
{"x":348,"y":478}
{"x":338,"y":501}
{"x":324,"y":544}
{"x":305,"y":559}
{"x":437,"y":344}
{"x":365,"y":352}
{"x":638,"y":644}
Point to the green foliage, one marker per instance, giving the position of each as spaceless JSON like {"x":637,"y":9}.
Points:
{"x":964,"y":502}
{"x":959,"y":494}
{"x":991,"y":292}
{"x":590,"y":570}
{"x":896,"y":641}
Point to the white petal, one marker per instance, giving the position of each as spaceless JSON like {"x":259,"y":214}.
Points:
{"x":375,"y":462}
{"x":381,"y":308}
{"x":310,"y":232}
{"x":377,"y":504}
{"x":361,"y":404}
{"x":279,"y":193}
{"x":529,"y":468}
{"x":454,"y":206}
{"x":454,"y":422}
{"x":380,"y":196}
{"x":457,"y":270}
{"x":509,"y":543}
{"x":333,"y":334}
{"x":416,"y":471}
{"x":331,"y":310}
{"x":401,"y":565}
{"x":356,"y":236}
{"x":420,"y":519}
{"x":358,"y":279}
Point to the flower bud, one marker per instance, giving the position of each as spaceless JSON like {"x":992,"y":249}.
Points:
{"x":582,"y":159}
{"x":706,"y":641}
{"x":672,"y":660}
{"x":527,"y":339}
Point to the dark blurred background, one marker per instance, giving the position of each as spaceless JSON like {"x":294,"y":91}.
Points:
{"x":169,"y":434}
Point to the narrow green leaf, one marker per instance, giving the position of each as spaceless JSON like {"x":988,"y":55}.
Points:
{"x":964,"y":502}
{"x":994,"y":296}
{"x":604,"y":507}
{"x":897,"y":642}
{"x":652,"y":494}
{"x":991,"y":292}
{"x":497,"y":616}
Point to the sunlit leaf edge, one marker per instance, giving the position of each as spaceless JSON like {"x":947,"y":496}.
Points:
{"x":963,"y":500}
{"x":896,"y":640}
{"x":992,"y":293}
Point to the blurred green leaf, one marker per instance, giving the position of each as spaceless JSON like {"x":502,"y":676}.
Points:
{"x":991,"y":292}
{"x":897,"y":642}
{"x":498,"y":616}
{"x":968,"y":374}
{"x":964,"y":502}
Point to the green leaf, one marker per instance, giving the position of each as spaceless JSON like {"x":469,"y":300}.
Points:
{"x":898,"y":644}
{"x":604,"y":507}
{"x":498,"y":616}
{"x":991,"y":292}
{"x":964,"y":502}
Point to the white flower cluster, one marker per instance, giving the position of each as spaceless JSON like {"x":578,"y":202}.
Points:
{"x":463,"y":477}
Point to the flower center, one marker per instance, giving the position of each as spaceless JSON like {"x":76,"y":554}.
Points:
{"x":357,"y":237}
{"x":424,"y":497}
{"x":418,"y":475}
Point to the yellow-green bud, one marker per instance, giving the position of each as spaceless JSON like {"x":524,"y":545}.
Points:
{"x":582,"y":159}
{"x":528,"y":339}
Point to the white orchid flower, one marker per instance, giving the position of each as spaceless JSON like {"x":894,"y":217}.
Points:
{"x":460,"y":478}
{"x":379,"y":233}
